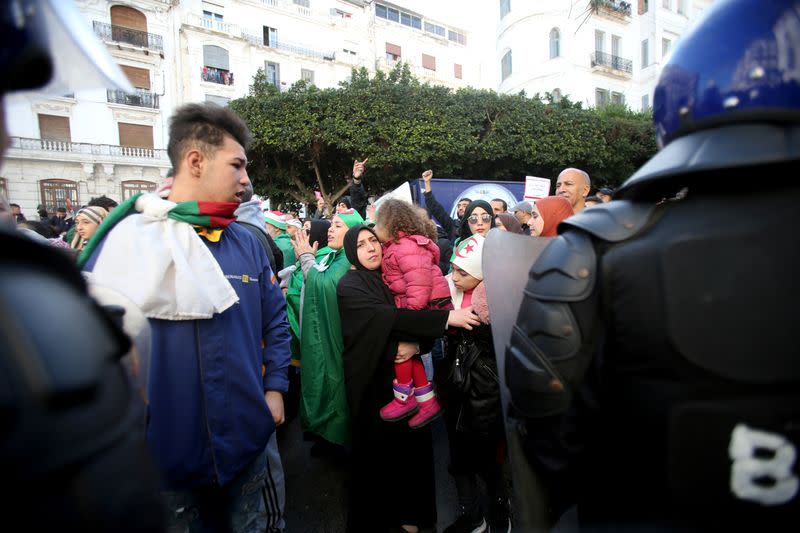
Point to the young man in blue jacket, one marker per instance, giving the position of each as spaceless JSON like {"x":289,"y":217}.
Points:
{"x":220,"y":337}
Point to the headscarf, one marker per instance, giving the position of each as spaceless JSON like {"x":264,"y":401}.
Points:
{"x":553,"y":209}
{"x":465,"y":231}
{"x":350,"y":217}
{"x":510,"y":222}
{"x":92,"y":213}
{"x":319,"y":233}
{"x":351,"y":247}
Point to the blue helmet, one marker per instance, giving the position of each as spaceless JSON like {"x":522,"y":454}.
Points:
{"x":729,"y":91}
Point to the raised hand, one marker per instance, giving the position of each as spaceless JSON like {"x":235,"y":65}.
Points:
{"x":358,"y":168}
{"x":427,"y":175}
{"x":301,"y":244}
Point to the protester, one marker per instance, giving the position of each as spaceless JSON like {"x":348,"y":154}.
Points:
{"x":276,"y":227}
{"x":592,"y":201}
{"x":209,"y":438}
{"x":411,"y":271}
{"x":323,"y":407}
{"x":471,"y":397}
{"x":574,"y":185}
{"x":60,"y":220}
{"x":377,"y":334}
{"x":16,"y":211}
{"x":357,"y":199}
{"x":508,"y":222}
{"x":523,"y":212}
{"x":87,"y":221}
{"x":478,"y":219}
{"x":499,"y":206}
{"x":249,"y":216}
{"x":548,"y":214}
{"x":605,"y":194}
{"x":452,"y":227}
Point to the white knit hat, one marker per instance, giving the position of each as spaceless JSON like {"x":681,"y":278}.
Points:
{"x":468,"y":255}
{"x":276,"y":218}
{"x":294,"y":222}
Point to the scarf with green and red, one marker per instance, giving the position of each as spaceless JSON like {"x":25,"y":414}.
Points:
{"x":206,"y":215}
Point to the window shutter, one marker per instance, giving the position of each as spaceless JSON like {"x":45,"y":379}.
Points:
{"x":457,"y":71}
{"x":54,"y":128}
{"x":428,"y":62}
{"x":135,"y":135}
{"x":139,"y":77}
{"x":393,"y":49}
{"x":128,"y":17}
{"x":215,"y":56}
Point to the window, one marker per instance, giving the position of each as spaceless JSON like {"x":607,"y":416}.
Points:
{"x":393,"y":14}
{"x":645,"y":102}
{"x":270,"y":37}
{"x":556,"y":94}
{"x":505,"y":7}
{"x":219,"y":100}
{"x":505,"y":65}
{"x":665,"y":45}
{"x":645,"y":57}
{"x":215,"y":65}
{"x":132,"y":187}
{"x":380,"y":11}
{"x":681,"y":7}
{"x":457,"y":71}
{"x":667,"y":4}
{"x":616,"y":45}
{"x":273,"y":72}
{"x":644,"y":5}
{"x":555,"y":46}
{"x":53,"y":128}
{"x":307,"y":75}
{"x":393,"y":53}
{"x":135,"y":135}
{"x":128,"y":17}
{"x":617,"y":98}
{"x":349,"y":52}
{"x":456,"y":37}
{"x":54,"y":194}
{"x":4,"y":188}
{"x":600,"y":97}
{"x":212,"y":20}
{"x":303,"y":3}
{"x":139,"y":77}
{"x":428,"y":62}
{"x":434,"y":29}
{"x":599,"y":41}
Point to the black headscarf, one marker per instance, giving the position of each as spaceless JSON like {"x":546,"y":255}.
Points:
{"x":319,"y":233}
{"x":465,"y":231}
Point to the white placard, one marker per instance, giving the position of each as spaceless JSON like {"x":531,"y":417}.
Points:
{"x":536,"y":188}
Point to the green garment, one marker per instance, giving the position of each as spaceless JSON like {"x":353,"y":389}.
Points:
{"x":284,"y":242}
{"x":323,"y":405}
{"x":294,"y":291}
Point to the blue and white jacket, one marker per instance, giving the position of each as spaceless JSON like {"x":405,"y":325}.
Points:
{"x":207,"y":416}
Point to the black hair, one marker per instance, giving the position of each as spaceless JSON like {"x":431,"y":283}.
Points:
{"x":14,"y":205}
{"x":42,"y":228}
{"x":61,"y":209}
{"x":594,"y":199}
{"x":465,"y":199}
{"x":203,"y":126}
{"x":103,"y":201}
{"x":505,"y":205}
{"x":346,"y":201}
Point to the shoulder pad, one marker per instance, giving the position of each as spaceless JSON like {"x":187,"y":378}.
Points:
{"x":614,"y":221}
{"x":565,"y":272}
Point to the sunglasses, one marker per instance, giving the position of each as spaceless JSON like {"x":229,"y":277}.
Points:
{"x":473,"y":219}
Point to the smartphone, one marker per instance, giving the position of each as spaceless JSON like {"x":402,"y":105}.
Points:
{"x":317,"y":195}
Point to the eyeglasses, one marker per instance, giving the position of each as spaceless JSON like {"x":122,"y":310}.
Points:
{"x":486,"y":217}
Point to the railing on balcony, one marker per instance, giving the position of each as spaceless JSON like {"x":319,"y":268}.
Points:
{"x":612,"y":7}
{"x":289,"y":47}
{"x":614,"y":62}
{"x":216,"y":75}
{"x":48,"y":145}
{"x":121,"y":34}
{"x":140,"y":98}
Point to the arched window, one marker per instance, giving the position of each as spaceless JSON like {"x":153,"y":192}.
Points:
{"x":555,"y":43}
{"x":216,"y":66}
{"x":55,"y":193}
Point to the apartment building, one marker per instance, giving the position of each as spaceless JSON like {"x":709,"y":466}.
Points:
{"x":595,"y":51}
{"x":105,"y":142}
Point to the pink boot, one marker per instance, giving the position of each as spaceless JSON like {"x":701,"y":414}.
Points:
{"x":404,"y":403}
{"x":429,"y":408}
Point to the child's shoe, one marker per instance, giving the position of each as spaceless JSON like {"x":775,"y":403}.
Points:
{"x":429,"y":408}
{"x":404,"y":403}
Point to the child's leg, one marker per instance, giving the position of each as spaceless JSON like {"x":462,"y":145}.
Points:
{"x":404,"y":371}
{"x":418,"y":372}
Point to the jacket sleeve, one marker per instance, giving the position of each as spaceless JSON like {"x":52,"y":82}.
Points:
{"x":276,"y":353}
{"x":358,"y":197}
{"x":438,"y":212}
{"x":415,"y":266}
{"x":420,"y":323}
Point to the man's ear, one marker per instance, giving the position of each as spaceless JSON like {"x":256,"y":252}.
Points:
{"x":195,"y":159}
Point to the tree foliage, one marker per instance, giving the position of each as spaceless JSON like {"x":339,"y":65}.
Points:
{"x":306,"y":138}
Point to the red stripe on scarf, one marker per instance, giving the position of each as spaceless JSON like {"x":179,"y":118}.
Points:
{"x":220,"y":214}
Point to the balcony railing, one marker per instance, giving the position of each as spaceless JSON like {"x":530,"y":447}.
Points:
{"x":46,"y":145}
{"x":614,"y":62}
{"x":289,"y":47}
{"x":121,"y":34}
{"x":139,"y":98}
{"x":614,"y":8}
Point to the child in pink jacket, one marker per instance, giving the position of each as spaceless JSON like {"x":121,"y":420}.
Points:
{"x":410,"y":269}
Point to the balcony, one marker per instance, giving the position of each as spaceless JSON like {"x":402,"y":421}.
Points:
{"x":44,"y":149}
{"x":139,"y":99}
{"x":216,"y":75}
{"x":613,"y":9}
{"x":121,"y":34}
{"x":612,"y":65}
{"x":291,"y":48}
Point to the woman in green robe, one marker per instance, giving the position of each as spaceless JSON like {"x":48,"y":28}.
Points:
{"x":323,"y":402}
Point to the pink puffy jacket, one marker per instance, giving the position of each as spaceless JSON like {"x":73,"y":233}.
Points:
{"x":411,"y":271}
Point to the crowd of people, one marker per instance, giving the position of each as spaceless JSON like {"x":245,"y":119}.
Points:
{"x":374,"y":320}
